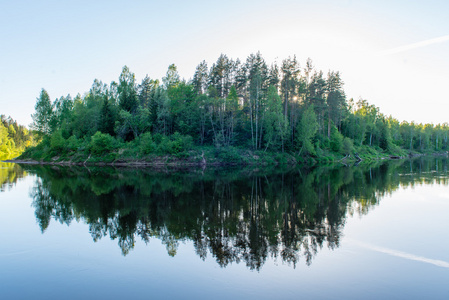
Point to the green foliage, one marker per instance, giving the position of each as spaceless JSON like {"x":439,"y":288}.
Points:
{"x":336,"y":140}
{"x":86,"y":115}
{"x":107,"y":118}
{"x":14,"y":138}
{"x":39,"y":152}
{"x":134,"y":123}
{"x":307,"y":129}
{"x":74,"y":144}
{"x":395,"y":150}
{"x":384,"y":136}
{"x":229,"y":155}
{"x":275,"y":124}
{"x":368,"y":153}
{"x":128,"y":150}
{"x":146,"y":143}
{"x":44,"y":113}
{"x":171,"y":79}
{"x":57,"y":142}
{"x":127,"y":93}
{"x":6,"y":144}
{"x":244,"y":104}
{"x":354,"y":127}
{"x":62,"y":110}
{"x":102,"y":143}
{"x":348,"y":146}
{"x":174,"y":144}
{"x":160,"y":112}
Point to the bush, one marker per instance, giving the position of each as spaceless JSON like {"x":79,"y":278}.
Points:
{"x":175,"y":144}
{"x":348,"y":146}
{"x":164,"y":146}
{"x":157,"y":138}
{"x":146,"y":143}
{"x":228,"y":155}
{"x":102,"y":143}
{"x":73,"y":143}
{"x":336,"y":141}
{"x":181,"y":142}
{"x":57,"y":142}
{"x":38,"y":152}
{"x":129,"y":150}
{"x":396,"y":150}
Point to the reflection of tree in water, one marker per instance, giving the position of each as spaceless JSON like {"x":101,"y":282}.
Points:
{"x":9,"y":174}
{"x":234,"y":216}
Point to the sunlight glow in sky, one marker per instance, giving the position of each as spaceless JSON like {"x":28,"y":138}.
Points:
{"x":391,"y":53}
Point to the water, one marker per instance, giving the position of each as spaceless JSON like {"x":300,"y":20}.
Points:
{"x":360,"y":232}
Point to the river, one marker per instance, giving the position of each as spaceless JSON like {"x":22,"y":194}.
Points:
{"x":376,"y":231}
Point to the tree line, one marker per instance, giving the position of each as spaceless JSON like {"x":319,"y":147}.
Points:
{"x":14,"y":138}
{"x":247,"y":104}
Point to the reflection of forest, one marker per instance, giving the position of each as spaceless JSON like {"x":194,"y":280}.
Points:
{"x":236,"y":216}
{"x":9,"y":174}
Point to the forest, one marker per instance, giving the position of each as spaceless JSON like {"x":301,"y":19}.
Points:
{"x":14,"y":138}
{"x":233,"y":111}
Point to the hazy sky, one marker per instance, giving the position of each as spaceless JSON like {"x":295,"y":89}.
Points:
{"x":395,"y":54}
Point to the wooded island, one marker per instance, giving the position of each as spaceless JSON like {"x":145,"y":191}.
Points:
{"x":233,"y":112}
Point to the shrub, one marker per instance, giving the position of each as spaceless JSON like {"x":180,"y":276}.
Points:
{"x":181,"y":142}
{"x":228,"y":155}
{"x":38,"y":152}
{"x":102,"y":143}
{"x":57,"y":142}
{"x":175,"y":144}
{"x":336,"y":141}
{"x":348,"y":146}
{"x":157,"y":138}
{"x":146,"y":143}
{"x":164,"y":146}
{"x":130,"y":150}
{"x":73,"y":143}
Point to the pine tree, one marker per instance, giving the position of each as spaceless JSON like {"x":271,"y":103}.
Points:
{"x":201,"y":78}
{"x":43,"y":115}
{"x":127,"y":93}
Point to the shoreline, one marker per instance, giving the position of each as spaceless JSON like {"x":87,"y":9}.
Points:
{"x":142,"y":164}
{"x":178,"y":163}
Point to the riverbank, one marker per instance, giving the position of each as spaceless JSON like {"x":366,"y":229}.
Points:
{"x":210,"y":156}
{"x":195,"y":158}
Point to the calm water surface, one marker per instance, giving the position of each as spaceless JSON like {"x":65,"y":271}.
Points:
{"x":347,"y":232}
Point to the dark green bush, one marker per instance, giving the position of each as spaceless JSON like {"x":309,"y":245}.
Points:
{"x":174,"y":144}
{"x":348,"y":146}
{"x":57,"y":142}
{"x":157,"y":138}
{"x":336,"y":140}
{"x":181,"y":143}
{"x":228,"y":155}
{"x":102,"y":143}
{"x":146,"y":143}
{"x":73,"y":144}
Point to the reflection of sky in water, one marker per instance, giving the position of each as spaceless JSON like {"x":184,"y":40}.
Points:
{"x":400,"y":249}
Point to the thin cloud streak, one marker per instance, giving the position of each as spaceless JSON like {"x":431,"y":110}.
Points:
{"x":435,"y":262}
{"x":421,"y":44}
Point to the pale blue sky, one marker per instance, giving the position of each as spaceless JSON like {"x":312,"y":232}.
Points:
{"x":63,"y":46}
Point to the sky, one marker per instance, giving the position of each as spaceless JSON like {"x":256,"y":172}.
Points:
{"x":394,"y":54}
